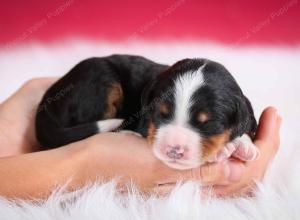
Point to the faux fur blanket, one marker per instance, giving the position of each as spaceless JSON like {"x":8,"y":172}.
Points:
{"x":268,"y":76}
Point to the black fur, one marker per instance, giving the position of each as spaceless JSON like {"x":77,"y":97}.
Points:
{"x":71,"y":117}
{"x":221,"y":97}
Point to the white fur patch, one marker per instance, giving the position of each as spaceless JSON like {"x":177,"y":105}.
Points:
{"x":109,"y":124}
{"x":241,"y":147}
{"x":185,"y":87}
{"x":171,"y":136}
{"x":245,"y":149}
{"x":178,"y":132}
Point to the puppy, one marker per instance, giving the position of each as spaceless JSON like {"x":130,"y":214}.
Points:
{"x":191,"y":113}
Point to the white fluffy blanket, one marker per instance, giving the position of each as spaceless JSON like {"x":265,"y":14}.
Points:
{"x":268,"y":76}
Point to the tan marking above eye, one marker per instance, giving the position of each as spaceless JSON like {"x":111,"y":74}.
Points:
{"x":203,"y":117}
{"x":164,"y":109}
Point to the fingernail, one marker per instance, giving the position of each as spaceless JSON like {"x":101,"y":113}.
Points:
{"x":274,"y":110}
{"x":277,"y":113}
{"x":279,"y":118}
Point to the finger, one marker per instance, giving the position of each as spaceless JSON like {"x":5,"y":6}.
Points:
{"x":216,"y":173}
{"x":227,"y":191}
{"x":266,"y":140}
{"x":210,"y":173}
{"x":268,"y":125}
{"x":164,"y":189}
{"x":268,"y":134}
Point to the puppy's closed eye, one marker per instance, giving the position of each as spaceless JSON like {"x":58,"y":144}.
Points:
{"x":164,"y":109}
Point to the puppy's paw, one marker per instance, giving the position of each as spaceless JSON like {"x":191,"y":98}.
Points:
{"x":226,"y":152}
{"x":245,"y":149}
{"x":241,"y":148}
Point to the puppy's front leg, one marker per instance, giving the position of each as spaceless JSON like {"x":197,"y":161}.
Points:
{"x":241,"y":148}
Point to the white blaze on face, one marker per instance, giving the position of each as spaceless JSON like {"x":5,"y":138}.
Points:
{"x":178,"y":134}
{"x":185,"y":86}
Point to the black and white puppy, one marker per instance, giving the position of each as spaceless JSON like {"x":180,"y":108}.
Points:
{"x":188,"y":112}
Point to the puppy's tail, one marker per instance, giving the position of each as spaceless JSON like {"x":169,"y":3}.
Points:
{"x":52,"y":136}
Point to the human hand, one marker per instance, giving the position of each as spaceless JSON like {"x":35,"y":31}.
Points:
{"x":245,"y":174}
{"x":104,"y":156}
{"x":134,"y":161}
{"x":17,"y":114}
{"x":230,"y":177}
{"x":129,"y":158}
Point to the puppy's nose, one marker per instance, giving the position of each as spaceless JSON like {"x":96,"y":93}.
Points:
{"x":175,"y":152}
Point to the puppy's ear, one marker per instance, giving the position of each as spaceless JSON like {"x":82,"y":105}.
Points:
{"x":146,"y":108}
{"x":244,"y":120}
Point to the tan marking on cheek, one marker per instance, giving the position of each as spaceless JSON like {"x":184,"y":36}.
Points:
{"x":203,"y":117}
{"x":163,"y":108}
{"x":151,"y":133}
{"x":114,"y":100}
{"x":213,"y":144}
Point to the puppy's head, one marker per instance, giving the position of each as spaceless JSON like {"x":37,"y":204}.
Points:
{"x":192,"y":110}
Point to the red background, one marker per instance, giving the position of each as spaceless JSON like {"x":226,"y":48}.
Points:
{"x":230,"y":21}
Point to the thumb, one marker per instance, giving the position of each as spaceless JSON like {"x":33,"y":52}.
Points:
{"x":268,"y":131}
{"x":215,"y":173}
